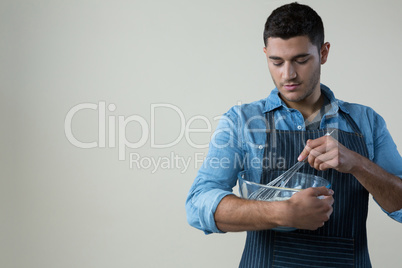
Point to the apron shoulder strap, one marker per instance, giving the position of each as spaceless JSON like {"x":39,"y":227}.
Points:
{"x":270,"y":119}
{"x":351,"y":122}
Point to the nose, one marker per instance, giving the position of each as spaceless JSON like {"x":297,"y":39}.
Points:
{"x":289,"y":71}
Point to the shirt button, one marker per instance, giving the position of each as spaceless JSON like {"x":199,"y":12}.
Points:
{"x":299,"y":127}
{"x":260,"y":147}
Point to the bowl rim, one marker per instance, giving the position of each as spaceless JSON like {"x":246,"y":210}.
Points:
{"x":239,"y":176}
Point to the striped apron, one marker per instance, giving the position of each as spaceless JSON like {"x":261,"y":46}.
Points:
{"x":342,"y":241}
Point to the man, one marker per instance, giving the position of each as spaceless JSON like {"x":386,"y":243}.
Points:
{"x":290,"y":124}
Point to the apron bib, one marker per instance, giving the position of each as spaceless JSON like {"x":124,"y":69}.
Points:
{"x":342,"y":241}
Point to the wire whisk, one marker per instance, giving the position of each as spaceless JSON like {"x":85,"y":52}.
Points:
{"x":281,"y":181}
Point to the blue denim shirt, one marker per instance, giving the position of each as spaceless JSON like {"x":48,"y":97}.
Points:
{"x":238,"y":144}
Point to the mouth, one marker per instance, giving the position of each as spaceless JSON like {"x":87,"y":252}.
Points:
{"x":292,"y":86}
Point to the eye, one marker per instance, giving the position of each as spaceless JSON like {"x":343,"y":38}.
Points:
{"x":302,"y":61}
{"x":277,"y":63}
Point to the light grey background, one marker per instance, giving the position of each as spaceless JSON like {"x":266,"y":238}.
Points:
{"x":62,"y":206}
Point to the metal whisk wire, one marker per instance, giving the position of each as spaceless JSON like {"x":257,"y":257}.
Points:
{"x":280,"y":181}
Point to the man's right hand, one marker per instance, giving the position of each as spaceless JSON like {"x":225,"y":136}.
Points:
{"x":304,"y":210}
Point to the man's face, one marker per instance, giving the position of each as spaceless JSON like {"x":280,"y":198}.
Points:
{"x":295,"y":66}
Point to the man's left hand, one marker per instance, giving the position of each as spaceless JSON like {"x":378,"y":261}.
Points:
{"x":326,"y":152}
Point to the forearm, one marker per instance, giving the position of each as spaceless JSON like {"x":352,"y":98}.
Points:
{"x":386,"y":188}
{"x":326,"y":152}
{"x":303,"y":211}
{"x":234,"y":214}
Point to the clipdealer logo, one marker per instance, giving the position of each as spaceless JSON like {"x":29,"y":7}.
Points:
{"x":112,"y":128}
{"x":109,"y":124}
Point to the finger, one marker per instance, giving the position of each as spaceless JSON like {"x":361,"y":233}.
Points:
{"x":327,"y":198}
{"x":319,"y":150}
{"x":305,"y":152}
{"x":333,"y":163}
{"x":313,"y":158}
{"x":322,"y":191}
{"x":329,"y":155}
{"x":327,"y":160}
{"x":331,"y":209}
{"x":325,"y":153}
{"x":318,"y":191}
{"x":313,"y":144}
{"x":316,"y":142}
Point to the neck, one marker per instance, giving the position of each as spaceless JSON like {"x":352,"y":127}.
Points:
{"x":309,"y":106}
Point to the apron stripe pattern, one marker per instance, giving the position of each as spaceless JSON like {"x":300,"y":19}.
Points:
{"x":342,"y":241}
{"x":298,"y":249}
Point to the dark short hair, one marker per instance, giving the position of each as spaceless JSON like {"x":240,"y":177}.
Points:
{"x":293,"y":20}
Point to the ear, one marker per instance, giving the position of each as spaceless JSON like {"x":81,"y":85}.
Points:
{"x":324,"y":52}
{"x":265,"y":50}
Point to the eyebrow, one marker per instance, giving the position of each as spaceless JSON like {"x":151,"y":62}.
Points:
{"x":295,"y":57}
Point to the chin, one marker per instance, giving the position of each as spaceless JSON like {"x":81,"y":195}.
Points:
{"x":291,"y":97}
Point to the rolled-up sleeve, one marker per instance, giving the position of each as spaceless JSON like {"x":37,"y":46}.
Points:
{"x":386,"y":155}
{"x":217,"y":176}
{"x":396,"y":215}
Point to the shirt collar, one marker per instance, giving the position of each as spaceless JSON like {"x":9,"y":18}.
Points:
{"x":273,"y":101}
